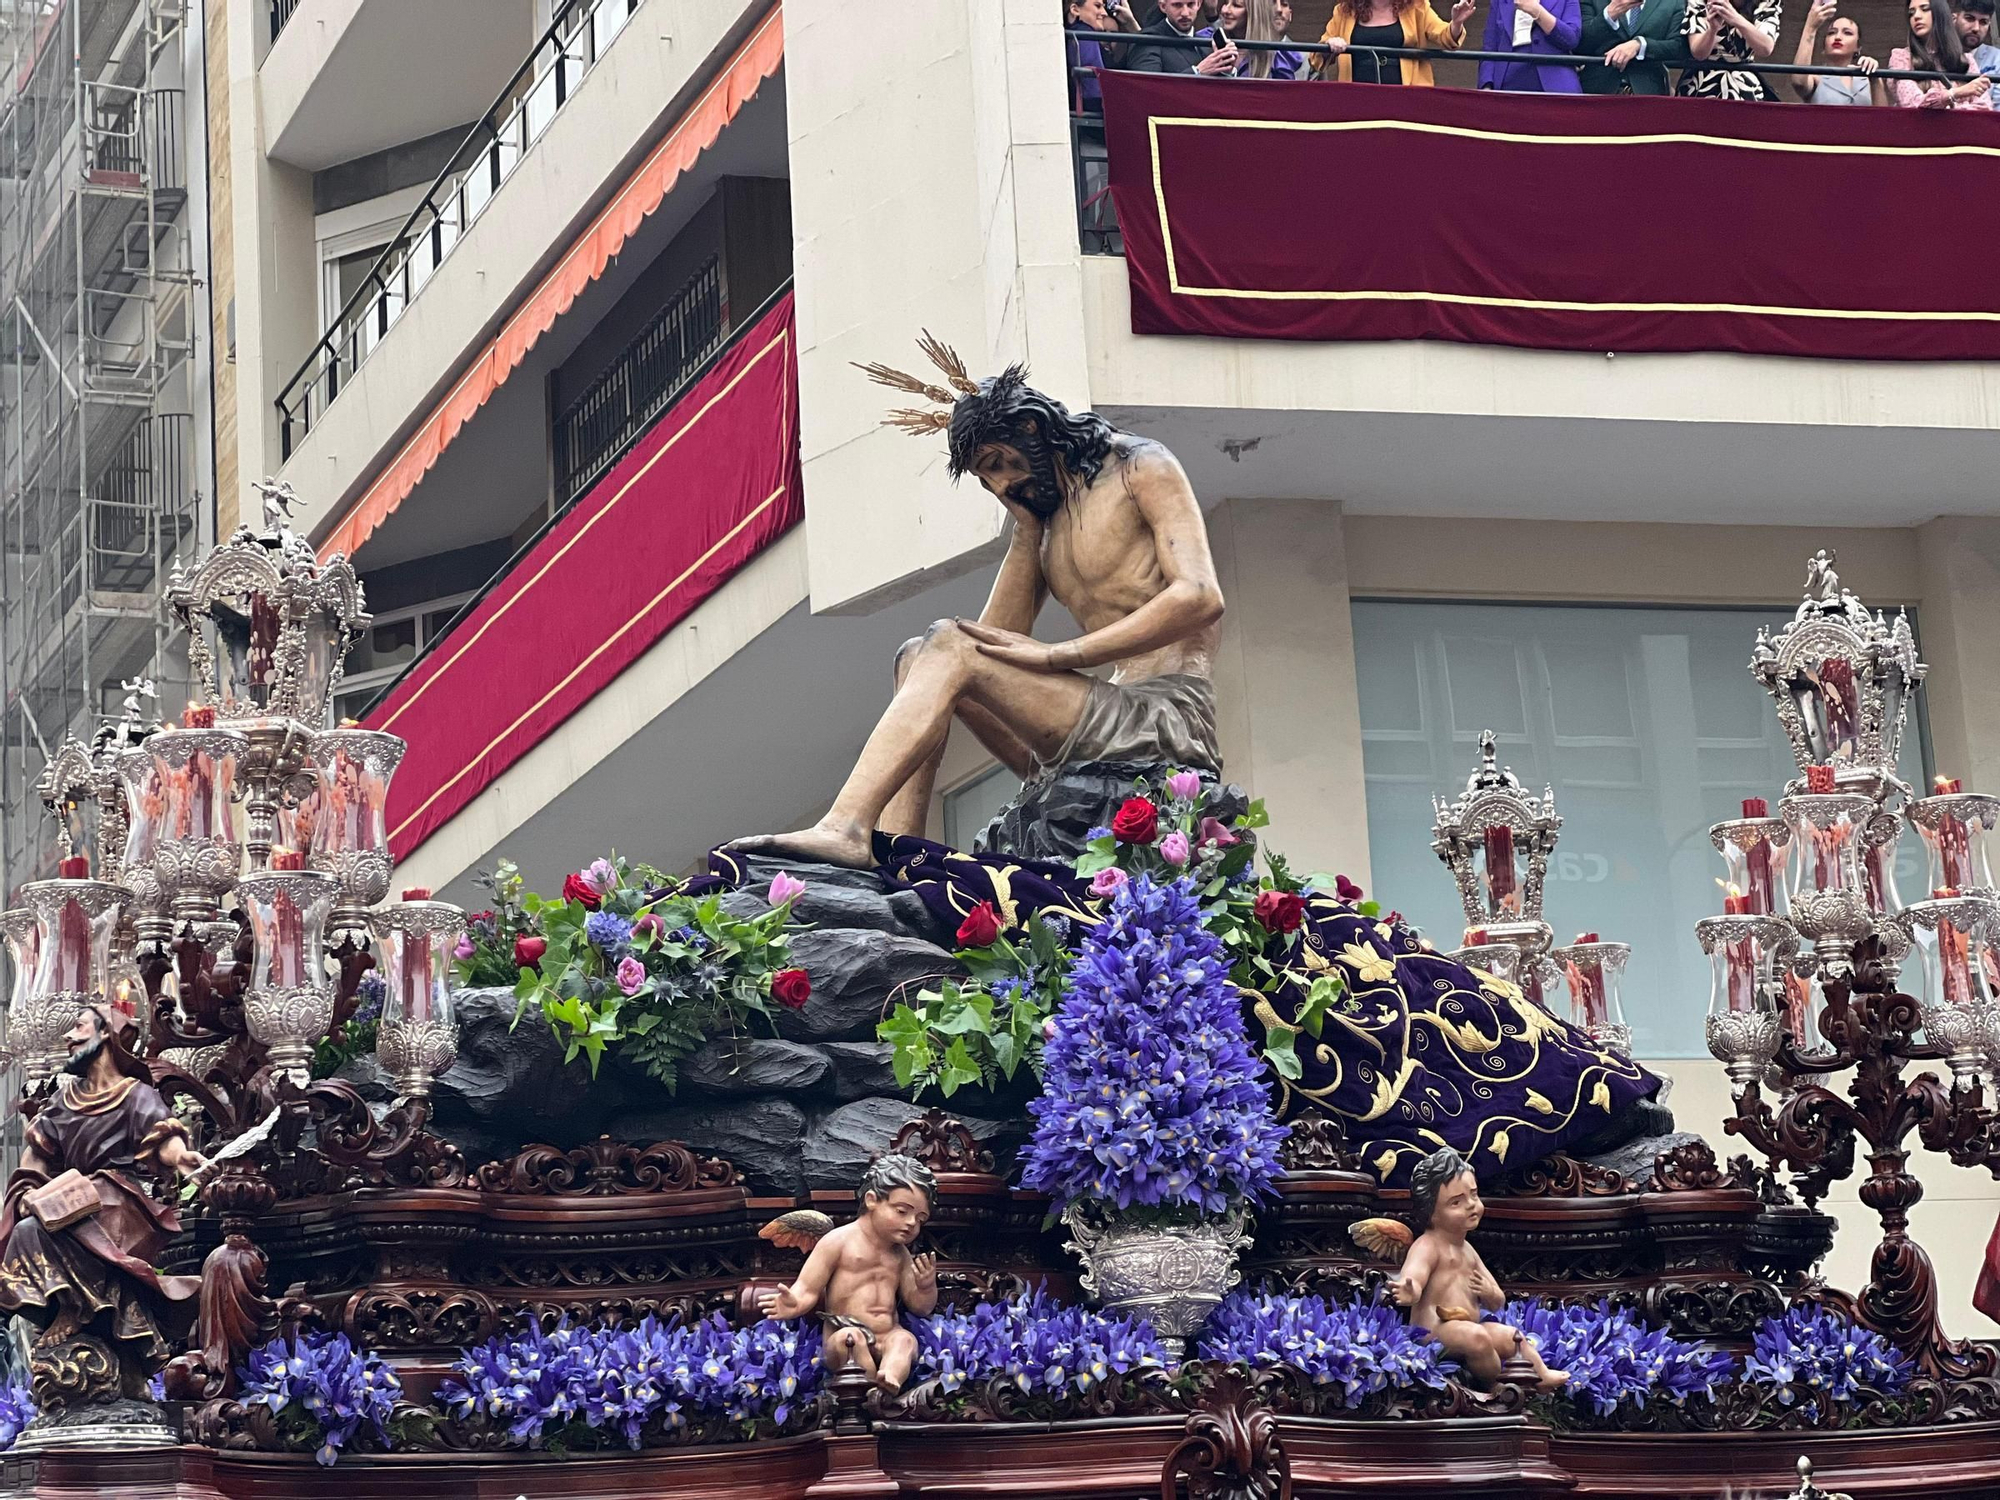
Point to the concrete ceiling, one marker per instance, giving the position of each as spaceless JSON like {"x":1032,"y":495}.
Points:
{"x":394,"y":71}
{"x":495,"y":472}
{"x":1532,"y":468}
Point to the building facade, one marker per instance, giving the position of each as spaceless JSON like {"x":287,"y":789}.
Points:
{"x":472,"y":263}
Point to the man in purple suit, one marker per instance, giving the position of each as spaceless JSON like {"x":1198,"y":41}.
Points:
{"x":1532,"y":28}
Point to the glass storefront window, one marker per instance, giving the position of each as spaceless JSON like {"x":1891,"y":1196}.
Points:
{"x":1648,"y":726}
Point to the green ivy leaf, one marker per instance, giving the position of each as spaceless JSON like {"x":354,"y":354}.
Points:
{"x":1280,"y":1052}
{"x":959,"y":1068}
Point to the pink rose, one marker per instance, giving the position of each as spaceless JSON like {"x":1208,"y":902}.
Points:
{"x":631,"y":974}
{"x":1214,"y":832}
{"x":464,"y":948}
{"x":785,"y":887}
{"x":1184,"y":785}
{"x":1107,"y":881}
{"x":602,"y":877}
{"x":1174,"y":849}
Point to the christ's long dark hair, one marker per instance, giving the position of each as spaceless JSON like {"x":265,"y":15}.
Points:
{"x":1006,"y":409}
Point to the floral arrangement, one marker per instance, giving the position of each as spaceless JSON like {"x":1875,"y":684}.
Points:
{"x":485,"y":954}
{"x":1613,"y":1358}
{"x":982,"y":1029}
{"x":1151,"y":1095}
{"x":585,"y":1387}
{"x":357,"y":1035}
{"x":1046,"y":1350}
{"x":17,"y":1410}
{"x":321,"y":1390}
{"x":1173,"y":830}
{"x":623,"y":958}
{"x":1813,"y":1348}
{"x":1361,"y":1348}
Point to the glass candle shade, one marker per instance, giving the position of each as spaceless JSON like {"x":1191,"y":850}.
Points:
{"x":1827,"y":694}
{"x":1500,"y":873}
{"x":1953,"y":937}
{"x":1879,"y":841}
{"x":1754,"y":852}
{"x":75,"y":921}
{"x":1592,"y":972}
{"x":413,"y":954}
{"x":351,"y":835}
{"x":145,"y":814}
{"x":197,"y":845}
{"x":1826,"y":840}
{"x":1953,"y":826}
{"x":288,"y":1004}
{"x":1748,"y":958}
{"x":23,"y":935}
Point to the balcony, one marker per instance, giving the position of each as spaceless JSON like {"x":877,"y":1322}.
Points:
{"x":544,"y":83}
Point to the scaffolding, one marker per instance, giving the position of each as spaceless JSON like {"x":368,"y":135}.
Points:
{"x":98,"y":318}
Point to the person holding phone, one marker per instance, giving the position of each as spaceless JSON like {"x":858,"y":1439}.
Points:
{"x":1528,"y":28}
{"x":1843,"y":48}
{"x":1257,"y":21}
{"x":1718,"y":31}
{"x":1171,"y":54}
{"x":1934,"y":46}
{"x":1389,"y":23}
{"x":1107,"y":16}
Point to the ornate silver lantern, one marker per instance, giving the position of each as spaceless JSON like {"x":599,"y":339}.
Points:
{"x":1496,"y":840}
{"x":419,"y":1032}
{"x":288,"y":1003}
{"x":75,"y":918}
{"x":1842,"y":677}
{"x":350,"y":836}
{"x":23,"y":935}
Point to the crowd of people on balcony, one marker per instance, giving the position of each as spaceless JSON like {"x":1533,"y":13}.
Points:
{"x":1642,"y":44}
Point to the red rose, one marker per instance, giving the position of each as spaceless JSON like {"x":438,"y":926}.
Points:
{"x":576,"y":888}
{"x":1279,"y":911}
{"x":791,"y":988}
{"x":1138,"y":822}
{"x":1346,"y":889}
{"x":528,"y":951}
{"x":980,"y":927}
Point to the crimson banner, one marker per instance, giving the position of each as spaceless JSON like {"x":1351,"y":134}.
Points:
{"x":714,"y":482}
{"x":1347,"y":211}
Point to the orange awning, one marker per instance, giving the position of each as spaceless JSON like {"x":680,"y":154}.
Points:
{"x":696,"y":130}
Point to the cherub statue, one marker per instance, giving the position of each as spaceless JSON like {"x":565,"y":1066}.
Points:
{"x":856,"y":1275}
{"x":1443,"y":1281}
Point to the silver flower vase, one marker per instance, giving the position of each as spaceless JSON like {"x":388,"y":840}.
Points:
{"x":1173,"y":1275}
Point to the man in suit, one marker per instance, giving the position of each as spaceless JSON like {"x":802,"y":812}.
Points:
{"x":1177,"y":18}
{"x":1640,"y":41}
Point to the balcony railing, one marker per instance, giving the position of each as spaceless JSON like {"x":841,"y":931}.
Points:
{"x":1097,"y":220}
{"x":621,"y":403}
{"x":570,"y":48}
{"x":281,"y":12}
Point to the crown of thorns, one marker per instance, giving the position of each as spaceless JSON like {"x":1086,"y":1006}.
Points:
{"x":920,"y":421}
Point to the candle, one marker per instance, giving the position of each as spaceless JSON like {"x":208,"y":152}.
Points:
{"x":1954,"y":963}
{"x":288,"y":942}
{"x":198,"y":716}
{"x":1501,"y":892}
{"x":1798,"y":1008}
{"x":1876,"y":868}
{"x":1819,"y":780}
{"x":1734,"y":902}
{"x":71,"y":972}
{"x":1954,"y":845}
{"x":287,"y":859}
{"x":417,"y":893}
{"x":1740,"y":955}
{"x":1586,"y":982}
{"x":1756,"y":807}
{"x":76,"y":867}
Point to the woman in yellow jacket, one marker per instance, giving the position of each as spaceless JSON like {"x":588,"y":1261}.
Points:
{"x":1389,"y":23}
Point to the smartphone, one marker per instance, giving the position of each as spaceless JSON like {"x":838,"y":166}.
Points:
{"x":1216,"y":40}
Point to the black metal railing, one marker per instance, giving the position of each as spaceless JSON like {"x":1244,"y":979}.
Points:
{"x":1097,"y":219}
{"x":169,"y":164}
{"x":281,"y":12}
{"x":601,"y":424}
{"x":540,"y":87}
{"x":521,"y":554}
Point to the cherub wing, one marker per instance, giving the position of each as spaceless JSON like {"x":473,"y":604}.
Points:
{"x":799,"y":1230}
{"x":1385,"y":1239}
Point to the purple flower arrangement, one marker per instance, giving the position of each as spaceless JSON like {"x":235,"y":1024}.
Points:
{"x":1361,"y":1347}
{"x":321,"y":1390}
{"x":581,"y":1387}
{"x":1045,"y":1349}
{"x":1816,"y":1348}
{"x":17,"y":1410}
{"x":1613,"y":1358}
{"x":1151,"y":1096}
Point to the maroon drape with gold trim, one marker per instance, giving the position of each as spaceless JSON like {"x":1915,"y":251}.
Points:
{"x":1346,"y":211}
{"x":714,"y":482}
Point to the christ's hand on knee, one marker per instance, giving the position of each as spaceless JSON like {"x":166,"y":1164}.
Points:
{"x":1012,"y":647}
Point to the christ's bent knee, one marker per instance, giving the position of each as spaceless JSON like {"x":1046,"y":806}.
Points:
{"x":947,"y":638}
{"x":905,"y":654}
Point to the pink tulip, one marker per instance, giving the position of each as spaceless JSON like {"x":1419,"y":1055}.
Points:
{"x":1174,"y":849}
{"x":1213,"y":832}
{"x":464,"y":948}
{"x":785,"y":887}
{"x":631,"y":974}
{"x":1185,"y":785}
{"x":1107,"y":881}
{"x":602,"y":877}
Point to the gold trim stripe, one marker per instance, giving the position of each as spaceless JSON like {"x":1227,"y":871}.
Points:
{"x":584,"y":530}
{"x":1467,"y":299}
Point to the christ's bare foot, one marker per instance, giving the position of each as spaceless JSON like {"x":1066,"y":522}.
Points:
{"x":829,"y":843}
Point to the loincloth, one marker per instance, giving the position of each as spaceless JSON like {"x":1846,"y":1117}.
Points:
{"x":832,"y":1323}
{"x":1168,"y":719}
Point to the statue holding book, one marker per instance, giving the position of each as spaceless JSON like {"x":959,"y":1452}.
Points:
{"x":81,"y":1233}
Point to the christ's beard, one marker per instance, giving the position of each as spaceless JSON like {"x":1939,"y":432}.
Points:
{"x":83,"y":1057}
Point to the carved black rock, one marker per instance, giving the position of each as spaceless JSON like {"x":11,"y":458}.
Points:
{"x":763,"y":1137}
{"x":856,"y":976}
{"x":736,"y":1066}
{"x":840,"y":1144}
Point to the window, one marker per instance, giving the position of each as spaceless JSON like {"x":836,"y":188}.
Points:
{"x":385,"y":650}
{"x":1647,"y":724}
{"x":969,"y":808}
